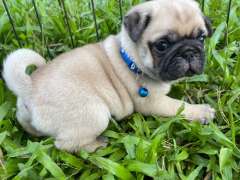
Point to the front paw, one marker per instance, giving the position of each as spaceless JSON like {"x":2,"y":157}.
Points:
{"x":200,"y":112}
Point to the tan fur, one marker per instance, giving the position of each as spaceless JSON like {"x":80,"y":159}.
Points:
{"x":73,"y":97}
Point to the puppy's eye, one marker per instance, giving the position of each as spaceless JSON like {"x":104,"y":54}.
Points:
{"x":162,"y":45}
{"x":201,"y":38}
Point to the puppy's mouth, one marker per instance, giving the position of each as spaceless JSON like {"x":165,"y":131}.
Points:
{"x":179,"y":67}
{"x":185,"y":58}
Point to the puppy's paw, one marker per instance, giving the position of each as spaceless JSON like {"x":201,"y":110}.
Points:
{"x":200,"y":112}
{"x":95,"y":145}
{"x":66,"y":146}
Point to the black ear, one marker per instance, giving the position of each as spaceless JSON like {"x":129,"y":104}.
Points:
{"x":208,"y":25}
{"x":135,"y":24}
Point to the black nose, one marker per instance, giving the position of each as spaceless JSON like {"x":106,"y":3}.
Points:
{"x":188,"y":55}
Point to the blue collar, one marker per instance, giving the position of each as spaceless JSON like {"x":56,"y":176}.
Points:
{"x":129,"y":61}
{"x":142,"y":91}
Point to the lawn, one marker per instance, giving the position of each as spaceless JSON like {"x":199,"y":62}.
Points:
{"x":139,"y":147}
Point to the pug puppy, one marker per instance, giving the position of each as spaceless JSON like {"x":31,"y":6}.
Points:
{"x":73,"y":97}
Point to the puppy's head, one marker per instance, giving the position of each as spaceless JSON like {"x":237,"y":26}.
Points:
{"x":168,"y":36}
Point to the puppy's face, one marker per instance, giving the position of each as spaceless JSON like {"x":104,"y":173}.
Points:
{"x":169,"y":37}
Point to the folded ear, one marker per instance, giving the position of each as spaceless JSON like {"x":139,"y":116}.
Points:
{"x":208,"y":25}
{"x":135,"y":24}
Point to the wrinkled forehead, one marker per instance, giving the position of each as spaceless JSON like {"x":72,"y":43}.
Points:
{"x":181,"y":17}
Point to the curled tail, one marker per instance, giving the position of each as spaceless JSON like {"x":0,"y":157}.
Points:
{"x":14,"y":69}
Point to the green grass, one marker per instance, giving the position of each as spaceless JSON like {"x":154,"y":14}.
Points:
{"x":140,"y":147}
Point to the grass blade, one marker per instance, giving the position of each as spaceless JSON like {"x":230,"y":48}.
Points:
{"x":112,"y":167}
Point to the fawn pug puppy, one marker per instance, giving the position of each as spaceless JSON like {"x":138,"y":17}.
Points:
{"x":73,"y":97}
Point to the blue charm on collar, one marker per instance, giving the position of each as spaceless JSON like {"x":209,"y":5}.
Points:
{"x":142,"y":91}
